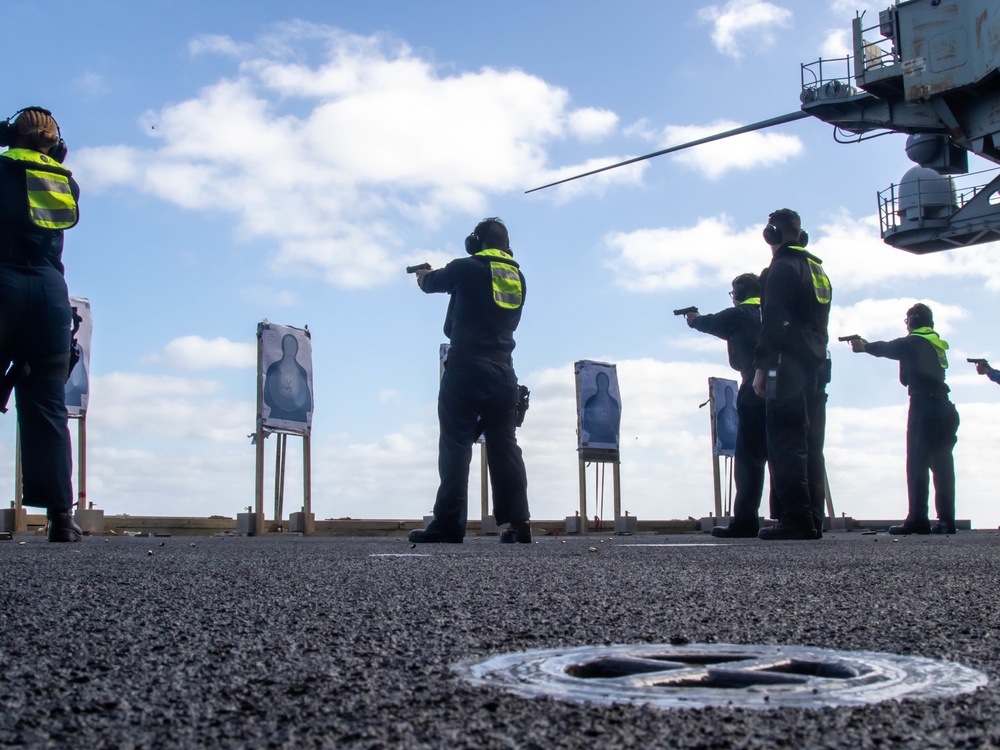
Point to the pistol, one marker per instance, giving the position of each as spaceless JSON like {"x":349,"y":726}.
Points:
{"x":852,"y":337}
{"x":418,"y":267}
{"x":686,"y":310}
{"x":976,"y":361}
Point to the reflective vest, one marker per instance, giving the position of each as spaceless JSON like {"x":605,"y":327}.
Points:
{"x":821,"y":282}
{"x":507,"y":291}
{"x":940,"y":345}
{"x":51,"y":204}
{"x":751,"y":301}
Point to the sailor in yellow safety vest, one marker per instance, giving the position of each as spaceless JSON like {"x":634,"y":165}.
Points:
{"x":38,"y":202}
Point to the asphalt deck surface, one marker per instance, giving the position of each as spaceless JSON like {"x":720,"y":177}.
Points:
{"x":294,"y":642}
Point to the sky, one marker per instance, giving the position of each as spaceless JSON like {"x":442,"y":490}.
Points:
{"x":285,"y":161}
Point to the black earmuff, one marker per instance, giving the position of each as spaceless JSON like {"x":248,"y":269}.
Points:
{"x":913,"y":320}
{"x":473,"y":244}
{"x":739,"y":292}
{"x":772,"y":236}
{"x":8,"y":133}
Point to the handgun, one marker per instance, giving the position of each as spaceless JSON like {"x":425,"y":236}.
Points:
{"x":852,"y":337}
{"x":418,"y":267}
{"x":976,"y":361}
{"x":686,"y":310}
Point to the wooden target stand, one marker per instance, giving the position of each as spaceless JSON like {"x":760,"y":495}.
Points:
{"x":303,"y":522}
{"x":598,"y":457}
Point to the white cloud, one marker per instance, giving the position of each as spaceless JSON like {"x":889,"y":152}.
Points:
{"x":596,"y":184}
{"x":124,"y":405}
{"x":713,"y":251}
{"x":322,"y":159}
{"x":882,"y":319}
{"x":847,"y":243}
{"x":838,"y":43}
{"x":192,"y":353}
{"x":591,"y":124}
{"x":746,"y":151}
{"x":740,"y":22}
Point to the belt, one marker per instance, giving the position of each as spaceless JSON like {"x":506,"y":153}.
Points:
{"x":496,"y":355}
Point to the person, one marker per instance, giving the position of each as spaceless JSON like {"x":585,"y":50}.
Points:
{"x":932,"y":422}
{"x":479,"y":390}
{"x":38,"y":202}
{"x":983,"y":368}
{"x":792,"y":369}
{"x":739,"y":326}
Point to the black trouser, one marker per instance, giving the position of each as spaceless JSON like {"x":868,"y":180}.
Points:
{"x":476,"y":394}
{"x":931,"y":434}
{"x":796,"y":428}
{"x":35,"y":322}
{"x":750,"y":459}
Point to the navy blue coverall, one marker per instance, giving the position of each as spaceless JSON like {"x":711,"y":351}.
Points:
{"x":793,"y":343}
{"x":931,"y":427}
{"x":35,"y":330}
{"x":478,"y":392}
{"x":740,"y":327}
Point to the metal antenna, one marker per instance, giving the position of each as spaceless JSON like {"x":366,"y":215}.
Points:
{"x":790,"y":117}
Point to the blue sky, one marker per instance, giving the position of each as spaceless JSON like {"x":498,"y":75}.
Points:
{"x":242,"y":161}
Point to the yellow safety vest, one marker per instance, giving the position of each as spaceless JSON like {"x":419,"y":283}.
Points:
{"x":751,"y":301}
{"x":821,"y":282}
{"x":940,"y":345}
{"x":51,"y":204}
{"x":507,"y":291}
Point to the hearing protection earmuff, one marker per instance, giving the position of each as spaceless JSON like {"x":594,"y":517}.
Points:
{"x":772,"y":236}
{"x":473,"y":244}
{"x":8,"y":133}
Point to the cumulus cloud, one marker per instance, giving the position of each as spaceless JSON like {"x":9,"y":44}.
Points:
{"x":192,"y":353}
{"x":592,"y":124}
{"x":125,"y":405}
{"x":882,"y":319}
{"x":714,"y":250}
{"x":324,"y":140}
{"x":847,"y":243}
{"x":740,"y":22}
{"x":746,"y":151}
{"x":837,"y":43}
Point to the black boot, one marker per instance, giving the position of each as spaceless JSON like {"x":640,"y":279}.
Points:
{"x":62,"y":527}
{"x":911,"y":527}
{"x":516,"y":533}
